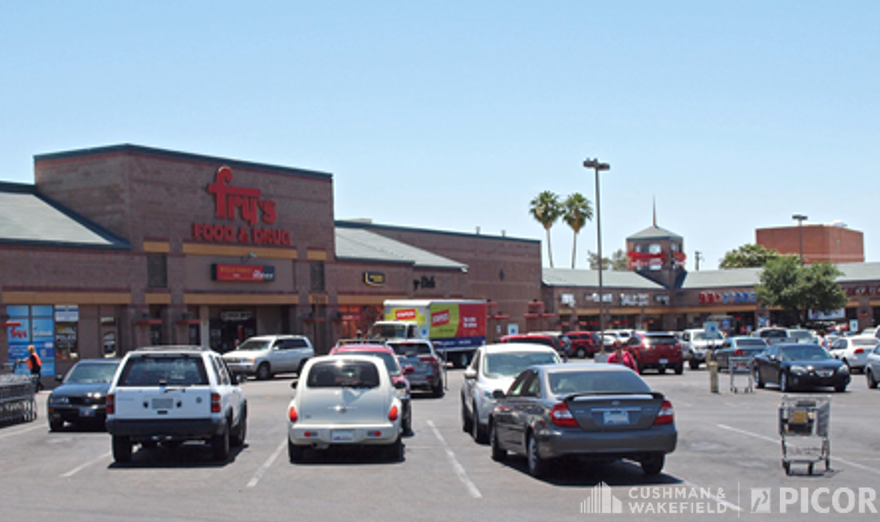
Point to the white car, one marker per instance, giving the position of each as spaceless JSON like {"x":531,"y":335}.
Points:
{"x":494,"y":367}
{"x":695,"y":342}
{"x":853,"y":351}
{"x":344,"y":400}
{"x":267,"y":355}
{"x":171,"y":394}
{"x":872,"y":368}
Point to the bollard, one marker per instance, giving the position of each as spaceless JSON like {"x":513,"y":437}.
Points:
{"x":712,"y":366}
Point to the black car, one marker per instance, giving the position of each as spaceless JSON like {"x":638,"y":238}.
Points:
{"x":799,"y":366}
{"x":82,"y":396}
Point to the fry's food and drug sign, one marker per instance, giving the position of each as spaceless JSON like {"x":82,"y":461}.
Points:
{"x":245,"y":204}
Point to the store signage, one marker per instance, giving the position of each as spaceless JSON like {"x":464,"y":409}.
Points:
{"x":594,"y":297}
{"x":374,"y":278}
{"x":424,"y":282}
{"x":243,"y":273}
{"x":66,"y":313}
{"x":233,"y":203}
{"x":727,"y":297}
{"x":235,"y":316}
{"x":634,"y":299}
{"x":661,"y":298}
{"x":408,"y":314}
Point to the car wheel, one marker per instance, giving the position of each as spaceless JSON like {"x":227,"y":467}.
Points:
{"x":263,"y":371}
{"x":783,"y":382}
{"x":121,"y":449}
{"x":537,"y":464}
{"x":581,"y":353}
{"x":679,"y":368}
{"x":406,"y":424}
{"x":56,"y":425}
{"x":220,"y":445}
{"x":295,"y":453}
{"x":872,"y":382}
{"x":437,"y":389}
{"x":840,"y":388}
{"x":241,"y":429}
{"x":662,"y":370}
{"x":653,"y":465}
{"x":693,"y":364}
{"x":758,"y":382}
{"x":498,"y":453}
{"x":478,"y":431}
{"x":466,"y":420}
{"x":395,"y":451}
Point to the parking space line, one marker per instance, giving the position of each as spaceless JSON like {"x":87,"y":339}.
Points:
{"x":19,"y":432}
{"x":776,"y":441}
{"x":266,"y":465}
{"x":716,"y":498}
{"x":456,"y":466}
{"x":77,"y":469}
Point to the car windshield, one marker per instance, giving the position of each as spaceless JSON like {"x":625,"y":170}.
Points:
{"x":804,"y":353}
{"x":343,"y":374}
{"x":568,"y":382}
{"x":254,"y":345}
{"x":497,"y":365}
{"x":164,"y":370}
{"x":410,"y":349}
{"x":388,"y":358}
{"x":90,"y":373}
{"x":774,"y":334}
{"x":751,"y":342}
{"x":389,"y":331}
{"x":654,"y":339}
{"x":708,"y":336}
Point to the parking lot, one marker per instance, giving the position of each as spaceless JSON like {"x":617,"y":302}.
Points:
{"x":728,"y":457}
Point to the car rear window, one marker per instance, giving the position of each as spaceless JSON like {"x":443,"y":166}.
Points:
{"x":751,"y":342}
{"x":410,"y":349}
{"x":388,"y":359}
{"x":569,"y":382}
{"x":343,"y":374}
{"x":498,"y":365}
{"x":91,"y":373}
{"x":654,"y":339}
{"x":169,"y":370}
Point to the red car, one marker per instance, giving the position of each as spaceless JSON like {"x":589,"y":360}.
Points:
{"x":391,"y":363}
{"x":656,"y":350}
{"x":584,"y":344}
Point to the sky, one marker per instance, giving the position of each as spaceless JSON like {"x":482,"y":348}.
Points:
{"x":454,"y":115}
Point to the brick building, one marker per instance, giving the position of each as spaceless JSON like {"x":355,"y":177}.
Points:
{"x":832,"y":243}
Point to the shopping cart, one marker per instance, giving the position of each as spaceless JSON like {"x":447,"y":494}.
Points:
{"x":740,"y":366}
{"x":804,"y":425}
{"x":17,"y":397}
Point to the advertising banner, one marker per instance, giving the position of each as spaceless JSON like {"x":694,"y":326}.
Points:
{"x":37,"y":327}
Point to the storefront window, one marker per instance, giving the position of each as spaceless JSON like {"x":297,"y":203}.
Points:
{"x":157,"y":271}
{"x":110,"y":344}
{"x":317,"y":275}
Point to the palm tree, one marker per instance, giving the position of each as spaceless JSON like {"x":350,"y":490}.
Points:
{"x":578,"y":211}
{"x":546,"y":209}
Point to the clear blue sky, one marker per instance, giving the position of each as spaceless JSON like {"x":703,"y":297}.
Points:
{"x":455,"y":114}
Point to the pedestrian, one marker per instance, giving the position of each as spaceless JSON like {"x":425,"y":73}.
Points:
{"x":35,"y":366}
{"x":622,"y":357}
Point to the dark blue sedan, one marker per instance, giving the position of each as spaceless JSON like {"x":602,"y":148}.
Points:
{"x":81,"y":398}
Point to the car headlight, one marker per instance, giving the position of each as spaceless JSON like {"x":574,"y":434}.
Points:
{"x":798,"y":370}
{"x":843,"y":370}
{"x":59,"y":400}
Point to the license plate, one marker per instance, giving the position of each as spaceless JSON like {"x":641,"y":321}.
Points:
{"x":86,"y":412}
{"x":162,"y":404}
{"x":342,"y":435}
{"x":616,"y":418}
{"x":664,"y":361}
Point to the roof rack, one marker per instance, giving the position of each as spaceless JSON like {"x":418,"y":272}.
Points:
{"x":347,"y":342}
{"x":174,"y":348}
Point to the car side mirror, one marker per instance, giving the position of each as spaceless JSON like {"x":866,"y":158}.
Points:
{"x":400,"y":385}
{"x":771,"y":357}
{"x":408,"y":369}
{"x":59,"y":378}
{"x":294,"y":383}
{"x":498,"y":394}
{"x":470,"y":373}
{"x":240,"y":378}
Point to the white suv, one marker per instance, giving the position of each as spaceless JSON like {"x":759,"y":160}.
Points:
{"x":173,"y":394}
{"x":268,"y":355}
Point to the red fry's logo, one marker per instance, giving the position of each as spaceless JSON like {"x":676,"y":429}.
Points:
{"x":405,"y":315}
{"x":17,"y":333}
{"x":440,"y":318}
{"x":229,"y":200}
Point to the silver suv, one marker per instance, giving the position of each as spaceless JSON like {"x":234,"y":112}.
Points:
{"x":267,"y":355}
{"x":173,"y":394}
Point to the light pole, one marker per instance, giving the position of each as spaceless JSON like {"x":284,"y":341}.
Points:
{"x":800,"y":218}
{"x":597,"y":166}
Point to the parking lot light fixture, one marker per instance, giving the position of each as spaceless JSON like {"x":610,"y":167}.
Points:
{"x":800,"y":218}
{"x":598,"y":166}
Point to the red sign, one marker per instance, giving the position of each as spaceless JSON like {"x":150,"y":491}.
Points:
{"x":243,"y":273}
{"x":245,"y":204}
{"x":405,"y":315}
{"x":440,"y":318}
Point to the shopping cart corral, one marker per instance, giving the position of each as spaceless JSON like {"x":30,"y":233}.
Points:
{"x":17,"y":398}
{"x":804,"y":425}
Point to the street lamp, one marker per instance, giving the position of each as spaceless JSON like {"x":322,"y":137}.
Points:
{"x":800,"y":218}
{"x":597,"y":166}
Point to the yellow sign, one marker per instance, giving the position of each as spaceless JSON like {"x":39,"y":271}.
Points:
{"x":374,"y":278}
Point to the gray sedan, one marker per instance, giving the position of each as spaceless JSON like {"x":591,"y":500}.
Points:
{"x":603,"y":412}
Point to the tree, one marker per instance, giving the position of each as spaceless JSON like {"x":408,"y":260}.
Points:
{"x":618,"y":261}
{"x":546,"y":209}
{"x":577,"y":211}
{"x":796,"y":288}
{"x":748,"y":256}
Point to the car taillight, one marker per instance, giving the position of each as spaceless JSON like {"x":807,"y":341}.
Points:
{"x":111,"y":404}
{"x":739,"y":352}
{"x":666,"y":414}
{"x":291,"y":414}
{"x":428,"y":359}
{"x":859,"y":350}
{"x":562,"y":417}
{"x":393,"y":414}
{"x":215,"y":403}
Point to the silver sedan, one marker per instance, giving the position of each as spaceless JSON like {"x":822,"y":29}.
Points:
{"x":598,"y":411}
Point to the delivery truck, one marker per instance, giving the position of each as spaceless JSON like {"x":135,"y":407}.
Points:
{"x":456,"y":327}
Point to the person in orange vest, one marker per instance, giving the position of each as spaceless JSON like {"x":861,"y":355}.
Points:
{"x":34,"y":365}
